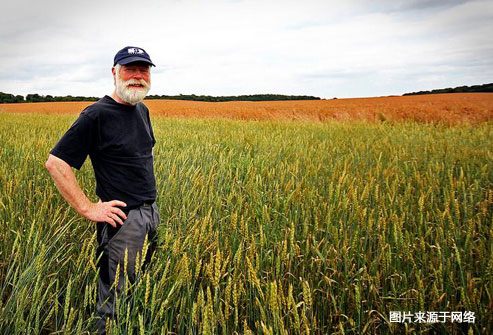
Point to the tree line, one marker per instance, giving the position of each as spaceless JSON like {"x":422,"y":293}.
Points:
{"x":253,"y":97}
{"x":10,"y":98}
{"x":460,"y":89}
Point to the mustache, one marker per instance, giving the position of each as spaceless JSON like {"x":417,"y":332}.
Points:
{"x":132,"y":82}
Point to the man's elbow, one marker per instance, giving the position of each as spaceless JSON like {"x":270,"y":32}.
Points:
{"x":49,"y":164}
{"x":53,"y":163}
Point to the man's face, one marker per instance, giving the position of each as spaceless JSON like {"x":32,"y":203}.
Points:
{"x":132,"y":82}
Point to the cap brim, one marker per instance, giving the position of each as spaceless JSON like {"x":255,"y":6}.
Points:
{"x":129,"y":60}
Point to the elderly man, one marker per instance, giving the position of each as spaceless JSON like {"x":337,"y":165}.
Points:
{"x":117,"y":135}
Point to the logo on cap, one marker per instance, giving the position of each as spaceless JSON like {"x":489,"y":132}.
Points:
{"x":135,"y":51}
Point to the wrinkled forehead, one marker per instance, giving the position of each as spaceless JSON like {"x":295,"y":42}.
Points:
{"x":137,"y":64}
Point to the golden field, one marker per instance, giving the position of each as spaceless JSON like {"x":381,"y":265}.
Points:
{"x":268,"y":227}
{"x":444,"y":108}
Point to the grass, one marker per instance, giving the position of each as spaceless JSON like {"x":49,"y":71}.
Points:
{"x":266,"y":228}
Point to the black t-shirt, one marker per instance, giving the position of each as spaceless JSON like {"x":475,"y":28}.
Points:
{"x":119,"y":139}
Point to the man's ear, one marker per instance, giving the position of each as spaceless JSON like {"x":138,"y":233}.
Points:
{"x":113,"y":71}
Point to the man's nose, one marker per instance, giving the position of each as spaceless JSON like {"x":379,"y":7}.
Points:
{"x":138,"y":74}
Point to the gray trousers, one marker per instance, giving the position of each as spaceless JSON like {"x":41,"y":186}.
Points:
{"x":113,"y":242}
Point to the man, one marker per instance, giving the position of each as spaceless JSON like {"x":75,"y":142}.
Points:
{"x":117,"y":135}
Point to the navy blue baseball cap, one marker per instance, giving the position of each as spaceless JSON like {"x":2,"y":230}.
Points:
{"x":132,"y":54}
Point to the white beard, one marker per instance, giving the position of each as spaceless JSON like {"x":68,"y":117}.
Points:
{"x":131,"y":94}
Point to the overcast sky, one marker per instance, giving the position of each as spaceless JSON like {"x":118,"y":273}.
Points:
{"x":351,"y":48}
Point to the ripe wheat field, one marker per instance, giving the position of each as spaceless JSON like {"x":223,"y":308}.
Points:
{"x":267,"y":227}
{"x":438,"y":108}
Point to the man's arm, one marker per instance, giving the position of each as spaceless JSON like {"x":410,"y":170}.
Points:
{"x":66,"y":183}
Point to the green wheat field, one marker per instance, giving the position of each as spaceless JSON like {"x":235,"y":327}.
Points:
{"x":266,"y":228}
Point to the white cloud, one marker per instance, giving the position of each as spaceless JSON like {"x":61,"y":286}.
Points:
{"x":323,"y":48}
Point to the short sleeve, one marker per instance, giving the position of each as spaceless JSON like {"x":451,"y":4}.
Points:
{"x":77,"y":142}
{"x":150,"y":128}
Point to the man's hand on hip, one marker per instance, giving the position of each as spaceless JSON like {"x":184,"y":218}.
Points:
{"x":69,"y":188}
{"x":107,"y":212}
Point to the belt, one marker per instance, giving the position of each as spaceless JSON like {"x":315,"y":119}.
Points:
{"x":147,"y":203}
